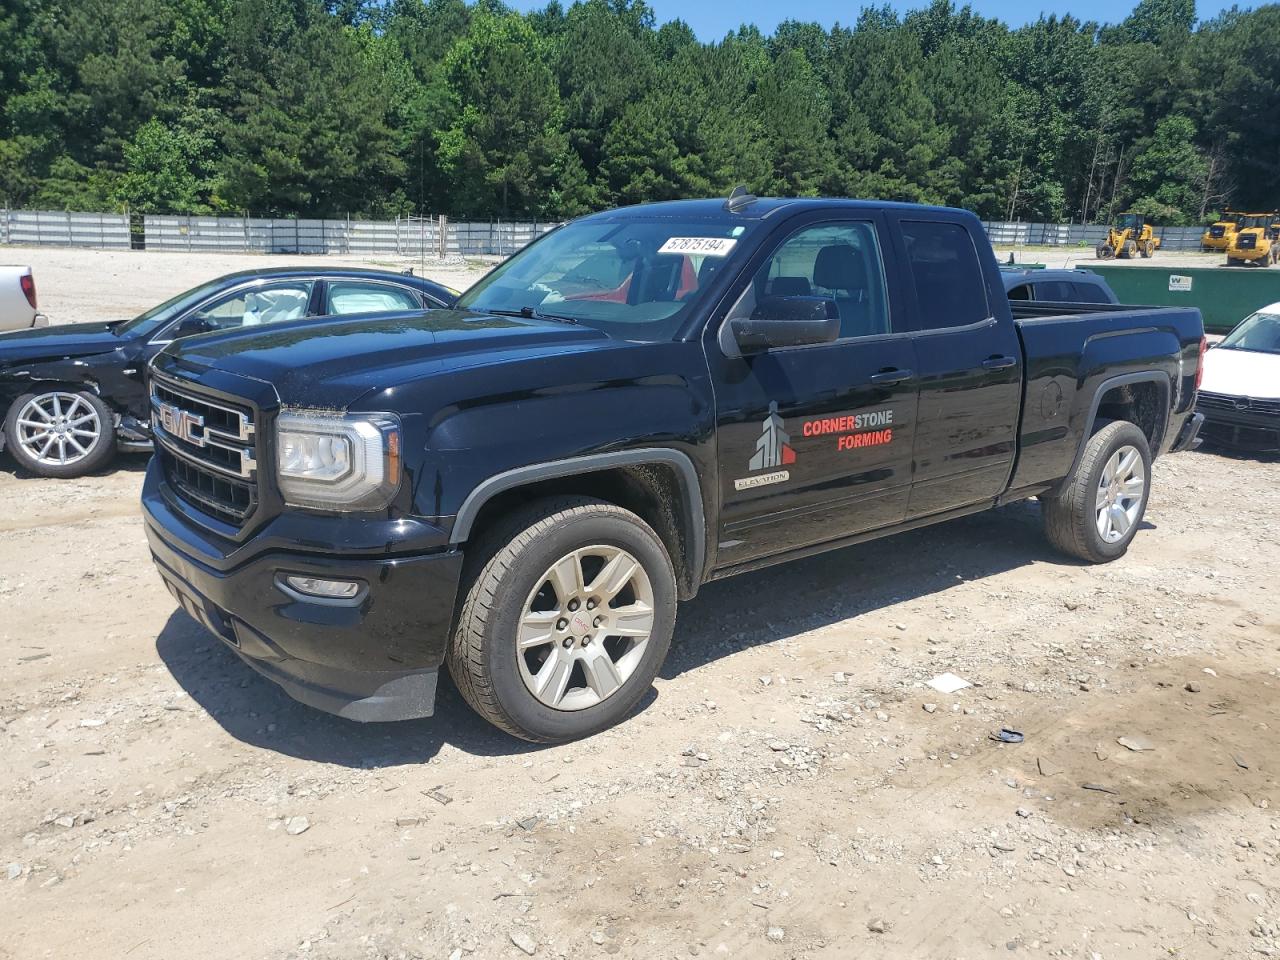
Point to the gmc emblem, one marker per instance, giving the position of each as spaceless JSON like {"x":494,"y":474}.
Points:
{"x":181,"y":423}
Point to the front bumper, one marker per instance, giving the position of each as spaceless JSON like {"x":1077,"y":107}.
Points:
{"x":1242,"y":430}
{"x":375,"y":661}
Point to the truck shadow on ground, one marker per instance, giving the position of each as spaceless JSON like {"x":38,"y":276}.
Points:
{"x":726,"y":617}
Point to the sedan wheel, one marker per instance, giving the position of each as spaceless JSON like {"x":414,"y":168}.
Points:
{"x":60,"y":433}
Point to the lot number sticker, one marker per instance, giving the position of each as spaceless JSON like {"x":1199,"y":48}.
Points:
{"x":707,"y":246}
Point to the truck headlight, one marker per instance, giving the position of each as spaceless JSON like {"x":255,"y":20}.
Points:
{"x":338,"y":462}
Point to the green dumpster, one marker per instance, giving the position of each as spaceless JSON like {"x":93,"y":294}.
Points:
{"x":1225,"y":297}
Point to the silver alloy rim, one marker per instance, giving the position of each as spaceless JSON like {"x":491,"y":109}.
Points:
{"x":585,"y":627}
{"x":58,"y":428}
{"x":1120,"y":491}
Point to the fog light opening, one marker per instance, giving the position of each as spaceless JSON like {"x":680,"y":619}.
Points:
{"x":322,"y":589}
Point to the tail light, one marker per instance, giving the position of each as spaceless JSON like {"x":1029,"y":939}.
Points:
{"x":1204,"y":345}
{"x":29,"y":288}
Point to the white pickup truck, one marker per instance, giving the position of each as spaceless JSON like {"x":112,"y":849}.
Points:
{"x":18,"y":310}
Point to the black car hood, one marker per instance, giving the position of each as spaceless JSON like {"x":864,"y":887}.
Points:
{"x":66,"y":340}
{"x":331,"y":363}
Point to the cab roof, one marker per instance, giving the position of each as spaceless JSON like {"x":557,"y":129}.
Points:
{"x":758,"y":208}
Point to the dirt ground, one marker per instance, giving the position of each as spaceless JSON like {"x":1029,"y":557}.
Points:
{"x":790,"y":790}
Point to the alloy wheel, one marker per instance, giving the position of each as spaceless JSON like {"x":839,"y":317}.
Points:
{"x":1120,"y":493}
{"x":585,"y":627}
{"x":58,"y":428}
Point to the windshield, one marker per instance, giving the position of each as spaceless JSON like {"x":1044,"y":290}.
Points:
{"x":632,"y":278}
{"x":1247,"y":223}
{"x":1260,"y":332}
{"x":157,"y":317}
{"x":1129,"y":221}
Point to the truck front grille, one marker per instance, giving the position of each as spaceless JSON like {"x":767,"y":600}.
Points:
{"x":207,"y":448}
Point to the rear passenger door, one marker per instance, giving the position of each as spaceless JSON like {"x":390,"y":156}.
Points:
{"x":815,"y":441}
{"x":969,"y":362}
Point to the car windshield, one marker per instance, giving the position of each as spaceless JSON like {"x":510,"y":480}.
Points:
{"x":632,"y":278}
{"x":158,"y":316}
{"x":1260,"y":332}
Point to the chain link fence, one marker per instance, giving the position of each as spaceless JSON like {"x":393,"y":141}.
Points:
{"x":413,"y":236}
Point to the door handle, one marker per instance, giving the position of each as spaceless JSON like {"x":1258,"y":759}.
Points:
{"x":889,"y":377}
{"x":1000,"y":363}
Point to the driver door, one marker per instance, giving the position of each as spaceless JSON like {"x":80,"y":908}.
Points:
{"x":815,"y":441}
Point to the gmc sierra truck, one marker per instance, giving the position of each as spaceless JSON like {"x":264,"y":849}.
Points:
{"x":644,"y":400}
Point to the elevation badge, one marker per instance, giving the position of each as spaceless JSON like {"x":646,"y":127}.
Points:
{"x":773,"y":450}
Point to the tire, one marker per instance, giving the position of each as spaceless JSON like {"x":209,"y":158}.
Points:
{"x":1130,"y":249}
{"x":1071,"y":519}
{"x":515,"y":588}
{"x":86,"y":423}
{"x":1148,"y":250}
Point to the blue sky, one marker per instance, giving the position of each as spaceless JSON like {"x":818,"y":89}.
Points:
{"x":712,"y":19}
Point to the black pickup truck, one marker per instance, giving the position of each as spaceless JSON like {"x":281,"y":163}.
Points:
{"x":640,"y":402}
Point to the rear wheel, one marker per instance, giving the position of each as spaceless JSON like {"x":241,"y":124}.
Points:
{"x":1096,"y":516}
{"x":567,"y":622}
{"x":60,"y":433}
{"x":1148,"y":249}
{"x":1130,"y":249}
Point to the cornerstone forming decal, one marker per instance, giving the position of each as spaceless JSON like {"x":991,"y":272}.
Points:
{"x":852,"y":432}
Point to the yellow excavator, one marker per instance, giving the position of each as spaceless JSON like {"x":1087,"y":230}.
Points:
{"x":1256,"y":241}
{"x":1220,"y":234}
{"x":1131,"y":236}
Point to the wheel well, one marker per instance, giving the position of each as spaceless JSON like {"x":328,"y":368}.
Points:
{"x":651,"y":491}
{"x":1142,"y":403}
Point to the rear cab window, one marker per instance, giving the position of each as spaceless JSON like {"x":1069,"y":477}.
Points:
{"x":943,"y":267}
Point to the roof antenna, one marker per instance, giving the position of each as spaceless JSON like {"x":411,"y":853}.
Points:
{"x":739,"y":199}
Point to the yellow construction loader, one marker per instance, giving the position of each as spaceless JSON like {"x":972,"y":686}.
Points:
{"x":1131,"y":236}
{"x":1257,"y":241}
{"x":1219,"y":235}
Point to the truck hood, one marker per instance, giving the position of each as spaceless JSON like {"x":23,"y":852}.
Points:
{"x":65,"y":340}
{"x":1242,"y":373}
{"x":331,"y":363}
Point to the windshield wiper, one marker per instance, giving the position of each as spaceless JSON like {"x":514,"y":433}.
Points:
{"x":528,"y":313}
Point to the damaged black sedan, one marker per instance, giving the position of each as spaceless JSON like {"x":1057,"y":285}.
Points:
{"x":73,"y":395}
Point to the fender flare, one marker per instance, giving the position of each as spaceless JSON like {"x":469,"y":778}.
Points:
{"x":686,"y":474}
{"x":1158,"y":377}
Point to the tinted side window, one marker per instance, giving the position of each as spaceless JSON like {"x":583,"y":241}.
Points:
{"x":1021,"y":292}
{"x":838,"y":261}
{"x":1090,"y":293}
{"x":948,"y":277}
{"x":1056,"y":291}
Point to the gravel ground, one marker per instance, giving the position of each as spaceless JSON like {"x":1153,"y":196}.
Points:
{"x":792,"y":789}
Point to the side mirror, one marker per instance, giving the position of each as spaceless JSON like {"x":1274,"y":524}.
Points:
{"x":786,"y":322}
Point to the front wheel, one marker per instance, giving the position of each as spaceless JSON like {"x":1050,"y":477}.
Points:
{"x":60,"y":433}
{"x":567,"y":622}
{"x":1097,"y":515}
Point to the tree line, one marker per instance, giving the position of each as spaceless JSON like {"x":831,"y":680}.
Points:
{"x":332,"y":107}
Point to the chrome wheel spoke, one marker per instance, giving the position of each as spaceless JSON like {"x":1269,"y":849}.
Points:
{"x":566,"y":577}
{"x":553,"y":679}
{"x":634,"y":620}
{"x":614,"y":576}
{"x":536,"y":628}
{"x":602,"y":674}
